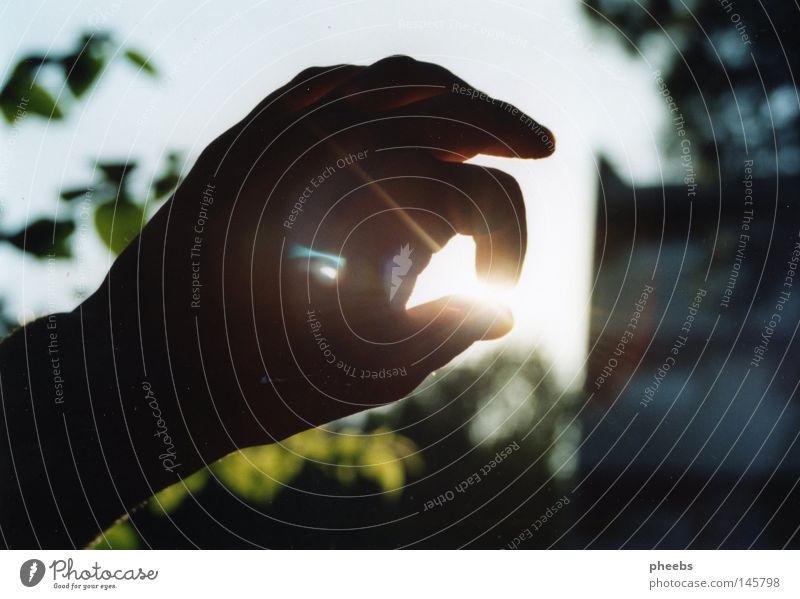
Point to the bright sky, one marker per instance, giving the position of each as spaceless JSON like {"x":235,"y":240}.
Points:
{"x":218,"y":60}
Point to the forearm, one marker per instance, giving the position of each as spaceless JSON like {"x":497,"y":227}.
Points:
{"x":86,"y":435}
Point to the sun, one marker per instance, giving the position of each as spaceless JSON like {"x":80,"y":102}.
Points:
{"x":452,"y":272}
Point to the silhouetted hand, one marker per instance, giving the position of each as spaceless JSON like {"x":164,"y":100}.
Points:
{"x":267,"y":295}
{"x":277,"y":275}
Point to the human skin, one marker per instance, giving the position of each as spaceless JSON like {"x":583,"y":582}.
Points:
{"x":264,"y":297}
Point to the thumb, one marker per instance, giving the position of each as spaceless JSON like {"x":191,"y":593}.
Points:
{"x":446,"y":327}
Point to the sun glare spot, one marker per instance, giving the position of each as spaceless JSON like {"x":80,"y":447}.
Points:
{"x":452,"y":272}
{"x":328,"y":272}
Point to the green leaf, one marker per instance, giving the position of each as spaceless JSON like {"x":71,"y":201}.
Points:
{"x":25,"y":70}
{"x":165,"y":185}
{"x":168,"y":181}
{"x":258,"y":474}
{"x":11,"y":95}
{"x":81,"y":70}
{"x":44,"y":238}
{"x":380,"y":465}
{"x":21,"y":96}
{"x":115,"y":172}
{"x":8,"y":108}
{"x":73,"y":194}
{"x":138,"y":59}
{"x":119,"y":536}
{"x":168,"y":500}
{"x":117,"y":223}
{"x":24,"y":73}
{"x":39,"y":101}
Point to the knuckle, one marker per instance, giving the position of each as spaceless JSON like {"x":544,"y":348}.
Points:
{"x":507,"y":183}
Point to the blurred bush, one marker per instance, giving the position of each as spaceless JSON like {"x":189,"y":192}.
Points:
{"x":258,"y":474}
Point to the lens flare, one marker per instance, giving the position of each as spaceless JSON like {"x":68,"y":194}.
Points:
{"x":328,"y":272}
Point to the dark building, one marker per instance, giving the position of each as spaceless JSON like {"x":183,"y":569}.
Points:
{"x":691,"y":422}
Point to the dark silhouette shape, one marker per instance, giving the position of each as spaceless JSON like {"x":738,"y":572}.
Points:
{"x":256,"y":303}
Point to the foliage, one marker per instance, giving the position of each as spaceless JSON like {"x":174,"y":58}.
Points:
{"x":169,"y":499}
{"x":119,"y":212}
{"x":78,"y":69}
{"x":119,"y":536}
{"x":42,"y":238}
{"x":118,"y":216}
{"x":726,"y":66}
{"x":258,"y":474}
{"x":383,"y":470}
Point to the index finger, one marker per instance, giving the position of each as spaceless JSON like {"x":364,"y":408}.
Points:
{"x":462,"y":126}
{"x":441,"y":107}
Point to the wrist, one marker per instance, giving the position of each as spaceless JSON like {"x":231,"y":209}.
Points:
{"x":70,"y":469}
{"x":129,"y":364}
